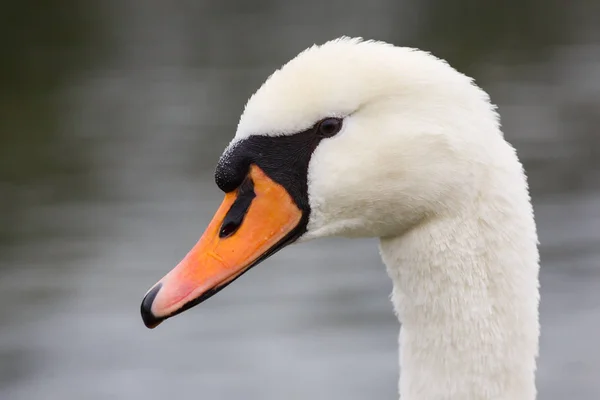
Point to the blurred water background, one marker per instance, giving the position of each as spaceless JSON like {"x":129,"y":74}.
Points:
{"x":112,"y":117}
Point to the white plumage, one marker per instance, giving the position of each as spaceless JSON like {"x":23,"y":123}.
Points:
{"x":422,"y":164}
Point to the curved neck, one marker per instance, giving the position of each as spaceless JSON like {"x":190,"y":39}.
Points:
{"x":466,"y":294}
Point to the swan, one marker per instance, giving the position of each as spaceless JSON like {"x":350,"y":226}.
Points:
{"x":359,"y":138}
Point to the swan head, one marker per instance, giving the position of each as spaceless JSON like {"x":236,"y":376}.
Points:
{"x":351,"y":138}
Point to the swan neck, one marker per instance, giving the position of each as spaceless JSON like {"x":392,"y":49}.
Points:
{"x":465,"y":290}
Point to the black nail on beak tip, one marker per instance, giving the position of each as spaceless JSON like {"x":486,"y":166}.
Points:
{"x":150,"y":320}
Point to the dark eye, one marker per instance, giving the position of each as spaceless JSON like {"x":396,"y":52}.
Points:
{"x":329,"y":127}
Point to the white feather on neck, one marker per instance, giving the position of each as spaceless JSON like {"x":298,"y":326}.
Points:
{"x":466,"y":293}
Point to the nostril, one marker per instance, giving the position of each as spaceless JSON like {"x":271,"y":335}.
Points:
{"x":235,"y":216}
{"x":229,"y":228}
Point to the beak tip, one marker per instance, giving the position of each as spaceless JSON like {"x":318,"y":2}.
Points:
{"x":150,"y":320}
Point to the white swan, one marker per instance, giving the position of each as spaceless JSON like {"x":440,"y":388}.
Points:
{"x":363,"y":139}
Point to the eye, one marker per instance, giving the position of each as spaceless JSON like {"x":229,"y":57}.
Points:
{"x":329,"y":127}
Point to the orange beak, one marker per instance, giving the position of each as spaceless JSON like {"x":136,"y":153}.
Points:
{"x":252,"y":223}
